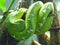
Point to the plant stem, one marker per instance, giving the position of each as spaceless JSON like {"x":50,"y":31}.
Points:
{"x":7,"y":12}
{"x":5,"y":15}
{"x":10,"y":5}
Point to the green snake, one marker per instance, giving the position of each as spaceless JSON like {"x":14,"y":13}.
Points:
{"x":22,"y":29}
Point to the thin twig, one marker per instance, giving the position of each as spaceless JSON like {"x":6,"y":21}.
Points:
{"x":11,"y":5}
{"x":7,"y":12}
{"x":5,"y":15}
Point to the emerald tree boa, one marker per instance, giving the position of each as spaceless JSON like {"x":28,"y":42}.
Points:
{"x":36,"y":21}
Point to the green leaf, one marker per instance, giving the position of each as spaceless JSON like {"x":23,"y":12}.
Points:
{"x":2,"y":5}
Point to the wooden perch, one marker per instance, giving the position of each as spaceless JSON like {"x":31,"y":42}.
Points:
{"x":34,"y":42}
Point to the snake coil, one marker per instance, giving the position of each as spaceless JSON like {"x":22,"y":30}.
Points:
{"x":36,"y":14}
